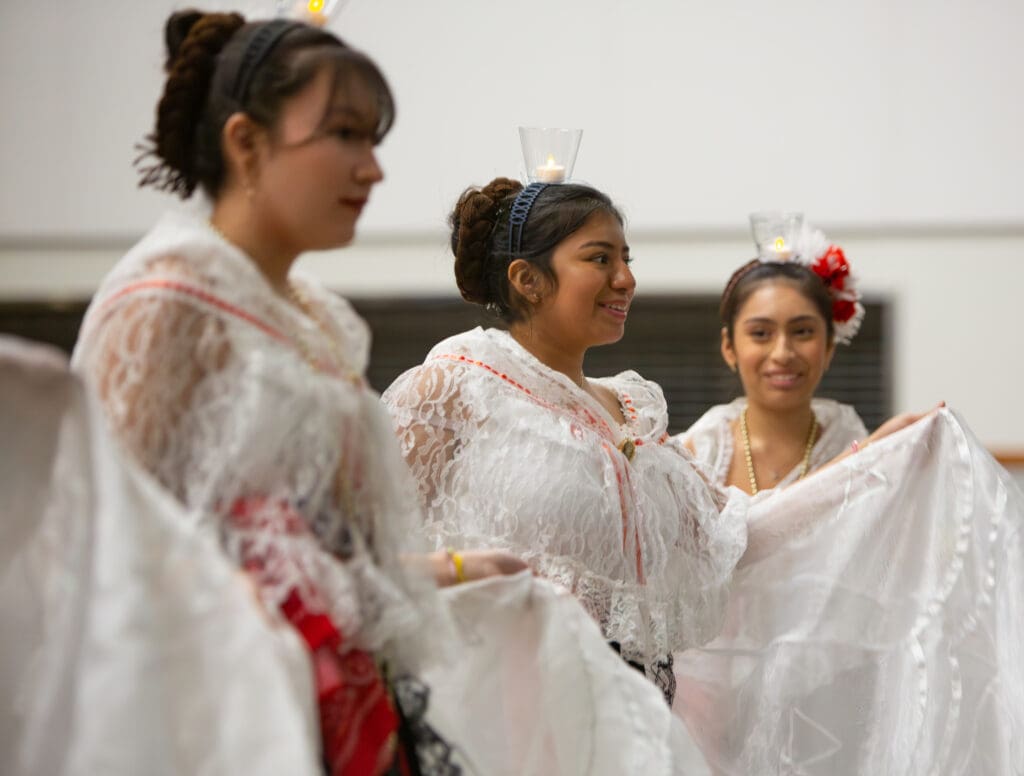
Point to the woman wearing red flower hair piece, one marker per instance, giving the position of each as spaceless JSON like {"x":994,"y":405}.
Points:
{"x":874,"y":634}
{"x":781,"y":321}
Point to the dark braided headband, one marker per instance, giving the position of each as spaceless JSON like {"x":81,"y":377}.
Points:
{"x":518,"y":214}
{"x":259,"y":48}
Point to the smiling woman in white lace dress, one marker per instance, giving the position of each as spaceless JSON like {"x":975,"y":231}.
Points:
{"x":781,"y":323}
{"x":815,"y":648}
{"x":514,"y":447}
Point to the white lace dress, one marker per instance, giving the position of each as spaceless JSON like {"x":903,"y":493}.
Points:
{"x":511,"y":454}
{"x":712,"y":439}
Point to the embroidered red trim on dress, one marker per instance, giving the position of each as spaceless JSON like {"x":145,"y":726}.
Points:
{"x":630,"y":408}
{"x":627,"y":405}
{"x":592,"y":420}
{"x":198,"y":293}
{"x":615,"y":456}
{"x":623,"y":511}
{"x":220,"y":304}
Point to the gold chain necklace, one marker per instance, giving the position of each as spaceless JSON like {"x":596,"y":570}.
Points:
{"x":340,"y":366}
{"x":303,"y":305}
{"x":804,"y":468}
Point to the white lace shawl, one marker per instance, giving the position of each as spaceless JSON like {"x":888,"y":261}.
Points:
{"x":205,"y":376}
{"x":712,"y":438}
{"x":511,"y":454}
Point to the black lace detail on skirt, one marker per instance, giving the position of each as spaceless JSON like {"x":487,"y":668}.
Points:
{"x":660,"y":672}
{"x":431,"y":753}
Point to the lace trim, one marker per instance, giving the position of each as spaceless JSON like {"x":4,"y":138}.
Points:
{"x":220,"y":304}
{"x":661,"y":672}
{"x":628,"y":410}
{"x":624,"y":510}
{"x":433,"y":754}
{"x":198,"y":293}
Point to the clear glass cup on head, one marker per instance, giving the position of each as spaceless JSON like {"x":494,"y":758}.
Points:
{"x":775,"y":233}
{"x":315,"y":12}
{"x":549,"y":153}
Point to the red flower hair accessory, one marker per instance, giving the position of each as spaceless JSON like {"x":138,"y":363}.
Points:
{"x":829,"y":263}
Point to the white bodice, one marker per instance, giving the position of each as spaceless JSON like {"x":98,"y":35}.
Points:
{"x":512,"y":454}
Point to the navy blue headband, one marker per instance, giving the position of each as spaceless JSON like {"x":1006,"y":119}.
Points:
{"x":518,"y":214}
{"x":258,"y":49}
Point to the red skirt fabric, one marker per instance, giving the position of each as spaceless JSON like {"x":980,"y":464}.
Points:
{"x":358,"y":719}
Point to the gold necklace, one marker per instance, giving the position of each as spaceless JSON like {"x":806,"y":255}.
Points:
{"x":804,"y":468}
{"x":339,"y":366}
{"x":302,"y":304}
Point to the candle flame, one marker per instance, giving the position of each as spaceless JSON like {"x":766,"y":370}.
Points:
{"x":780,"y":244}
{"x":551,"y":160}
{"x":315,"y":6}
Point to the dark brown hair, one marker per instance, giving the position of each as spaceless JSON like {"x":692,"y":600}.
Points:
{"x":479,"y":240}
{"x":752,"y":275}
{"x":205,"y":52}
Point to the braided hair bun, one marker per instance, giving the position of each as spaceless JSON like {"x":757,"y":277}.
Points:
{"x":474,"y":222}
{"x":194,"y":40}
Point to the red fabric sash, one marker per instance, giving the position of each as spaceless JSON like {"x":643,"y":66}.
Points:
{"x":358,"y":720}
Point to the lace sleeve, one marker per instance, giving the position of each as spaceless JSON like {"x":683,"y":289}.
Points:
{"x":150,"y":359}
{"x":429,"y":416}
{"x":683,"y":447}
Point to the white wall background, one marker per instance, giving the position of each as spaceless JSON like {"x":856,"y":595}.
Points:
{"x":897,"y":126}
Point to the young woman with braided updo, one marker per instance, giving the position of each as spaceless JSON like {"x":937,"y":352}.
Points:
{"x":238,"y":383}
{"x":515,"y":447}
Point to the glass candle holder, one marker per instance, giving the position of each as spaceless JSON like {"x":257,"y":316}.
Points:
{"x":317,"y":12}
{"x":549,"y":154}
{"x":775,"y":233}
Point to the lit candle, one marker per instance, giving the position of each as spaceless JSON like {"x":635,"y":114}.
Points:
{"x":780,"y":250}
{"x":550,"y":172}
{"x":310,"y":11}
